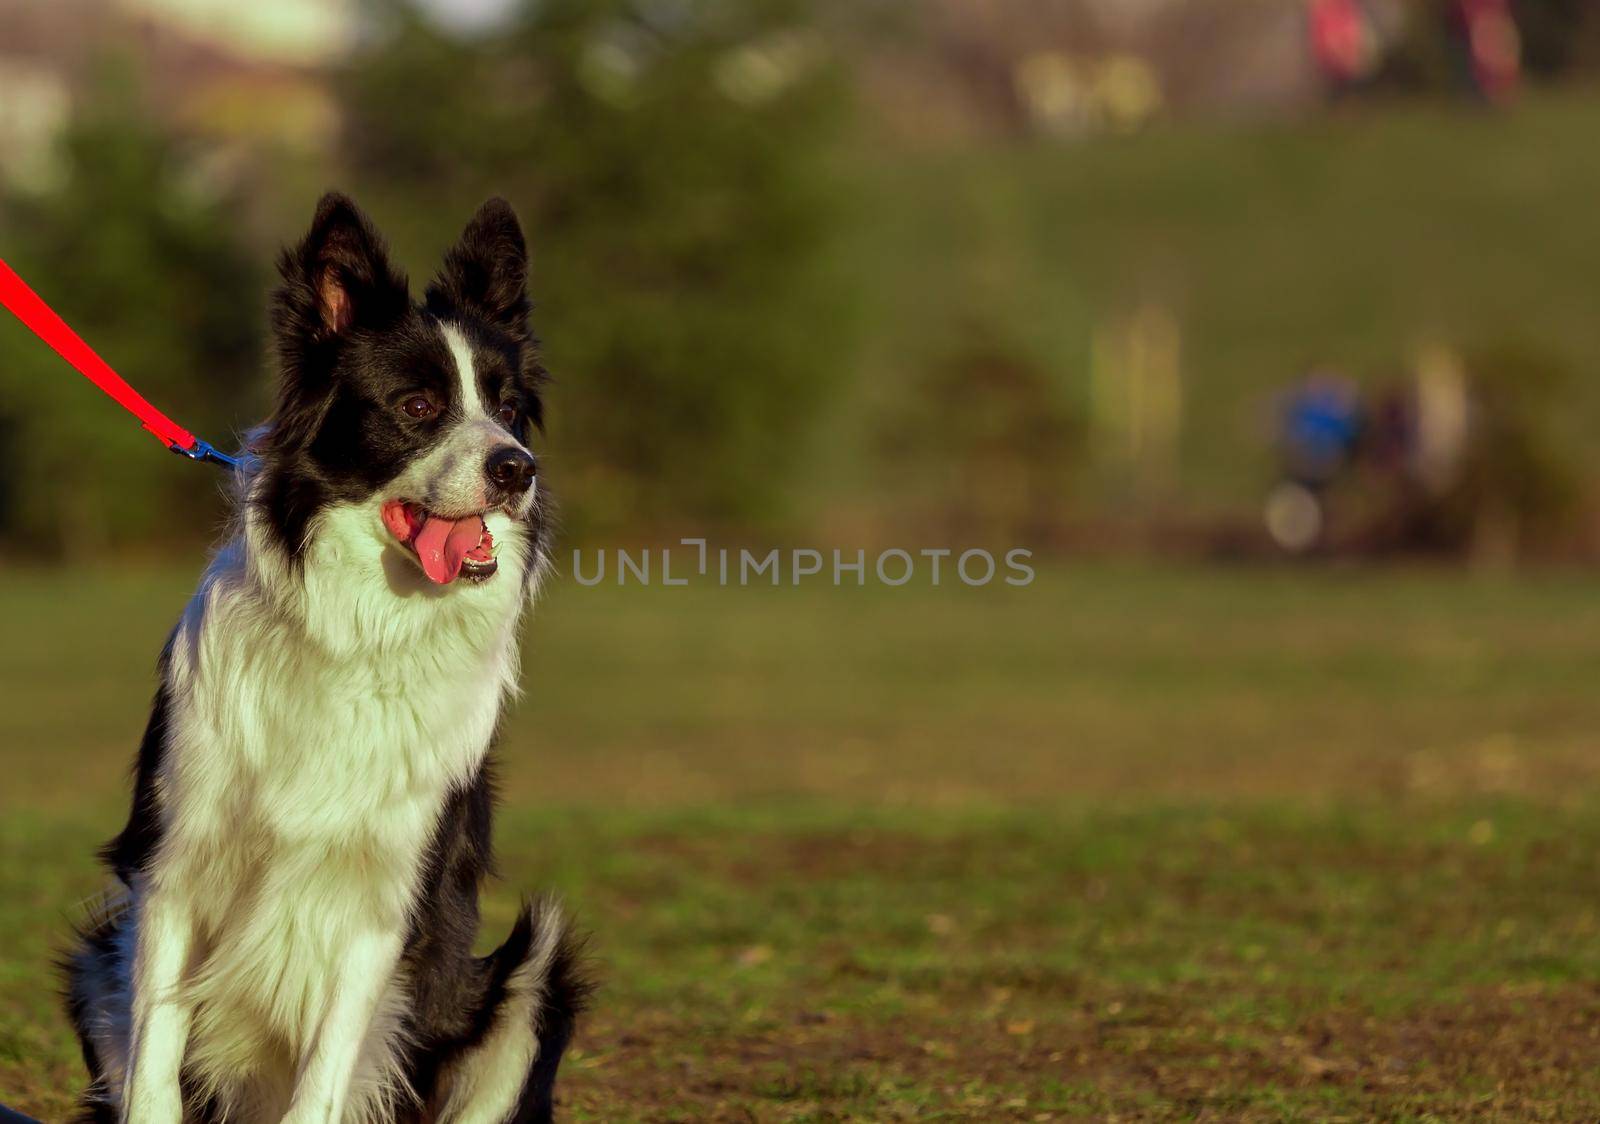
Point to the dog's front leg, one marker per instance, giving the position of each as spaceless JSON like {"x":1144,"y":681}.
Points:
{"x":164,"y":934}
{"x":363,"y":974}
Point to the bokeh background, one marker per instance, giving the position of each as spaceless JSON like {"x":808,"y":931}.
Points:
{"x":1268,"y":326}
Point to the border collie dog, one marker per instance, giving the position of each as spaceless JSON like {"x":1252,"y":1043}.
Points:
{"x":292,"y":938}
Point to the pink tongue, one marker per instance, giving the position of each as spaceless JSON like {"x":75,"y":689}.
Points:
{"x":443,"y":543}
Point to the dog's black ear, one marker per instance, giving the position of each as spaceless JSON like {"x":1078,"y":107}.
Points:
{"x":486,"y":271}
{"x":338,"y":278}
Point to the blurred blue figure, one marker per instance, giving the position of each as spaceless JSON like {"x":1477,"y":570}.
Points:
{"x":1320,"y":425}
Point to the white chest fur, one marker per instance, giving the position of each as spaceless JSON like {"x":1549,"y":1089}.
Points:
{"x":316,"y":723}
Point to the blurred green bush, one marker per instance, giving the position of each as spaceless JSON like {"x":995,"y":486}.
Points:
{"x":1522,"y":487}
{"x":151,"y":268}
{"x":982,"y":448}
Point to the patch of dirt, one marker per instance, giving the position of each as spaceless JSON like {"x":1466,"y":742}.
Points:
{"x":1510,"y":1054}
{"x":760,"y":858}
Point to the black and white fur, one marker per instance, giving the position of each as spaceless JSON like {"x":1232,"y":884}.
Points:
{"x":292,"y":934}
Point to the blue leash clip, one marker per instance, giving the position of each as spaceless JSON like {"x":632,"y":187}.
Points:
{"x":206,"y":452}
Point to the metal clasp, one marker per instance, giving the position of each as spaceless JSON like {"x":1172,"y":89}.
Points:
{"x":204,"y":451}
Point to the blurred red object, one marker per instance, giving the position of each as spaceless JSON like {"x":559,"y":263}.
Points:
{"x":1342,"y":40}
{"x":1494,"y":44}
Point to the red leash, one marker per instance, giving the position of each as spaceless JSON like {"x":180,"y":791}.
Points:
{"x":30,"y":308}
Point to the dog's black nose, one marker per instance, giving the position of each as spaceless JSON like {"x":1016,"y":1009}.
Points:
{"x":511,"y":469}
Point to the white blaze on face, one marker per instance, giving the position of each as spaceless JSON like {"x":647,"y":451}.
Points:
{"x":472,"y":404}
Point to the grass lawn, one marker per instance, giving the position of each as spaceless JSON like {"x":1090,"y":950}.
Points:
{"x":1146,"y":843}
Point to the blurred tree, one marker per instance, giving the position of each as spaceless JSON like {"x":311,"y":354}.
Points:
{"x":670,"y":161}
{"x":138,"y":256}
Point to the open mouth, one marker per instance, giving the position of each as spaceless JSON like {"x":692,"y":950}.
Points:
{"x":447,"y":547}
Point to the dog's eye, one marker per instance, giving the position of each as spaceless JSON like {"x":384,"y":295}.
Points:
{"x":508,"y":413}
{"x":419,"y":406}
